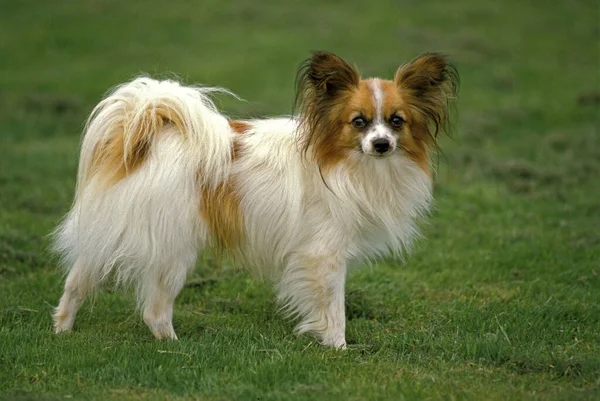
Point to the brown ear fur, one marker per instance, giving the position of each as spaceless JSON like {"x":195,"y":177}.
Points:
{"x":429,"y":84}
{"x":323,"y":83}
{"x":329,"y":74}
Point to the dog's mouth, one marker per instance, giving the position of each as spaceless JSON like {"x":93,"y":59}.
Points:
{"x":378,"y":155}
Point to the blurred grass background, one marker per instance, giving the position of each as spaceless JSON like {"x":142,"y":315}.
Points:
{"x":501,"y":301}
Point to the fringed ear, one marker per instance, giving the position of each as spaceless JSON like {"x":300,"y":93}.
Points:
{"x":329,"y":74}
{"x":321,"y":83}
{"x":429,"y":84}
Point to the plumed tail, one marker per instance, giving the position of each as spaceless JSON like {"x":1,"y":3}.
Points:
{"x":122,"y":128}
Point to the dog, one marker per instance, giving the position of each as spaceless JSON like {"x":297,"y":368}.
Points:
{"x":163,"y":175}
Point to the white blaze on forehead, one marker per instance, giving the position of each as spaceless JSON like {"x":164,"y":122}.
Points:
{"x":377,"y":92}
{"x":379,"y":128}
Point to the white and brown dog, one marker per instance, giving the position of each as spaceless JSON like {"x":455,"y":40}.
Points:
{"x":163,"y":175}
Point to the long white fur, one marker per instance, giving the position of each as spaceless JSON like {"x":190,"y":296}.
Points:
{"x":301,"y":229}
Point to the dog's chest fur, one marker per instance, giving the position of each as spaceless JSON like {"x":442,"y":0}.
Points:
{"x":364,"y":208}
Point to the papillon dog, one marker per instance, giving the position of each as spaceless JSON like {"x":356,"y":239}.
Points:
{"x":163,"y":176}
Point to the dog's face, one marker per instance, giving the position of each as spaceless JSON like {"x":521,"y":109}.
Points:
{"x":344,"y":114}
{"x":374,"y":118}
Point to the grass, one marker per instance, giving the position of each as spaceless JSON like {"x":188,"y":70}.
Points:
{"x":501,"y":301}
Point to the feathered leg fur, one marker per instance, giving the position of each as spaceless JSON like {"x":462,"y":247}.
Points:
{"x":312,"y":288}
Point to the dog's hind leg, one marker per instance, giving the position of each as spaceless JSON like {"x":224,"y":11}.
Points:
{"x":157,"y":292}
{"x":77,"y":286}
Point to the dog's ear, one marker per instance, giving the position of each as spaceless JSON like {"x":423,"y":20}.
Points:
{"x":424,"y":74}
{"x":429,"y":83}
{"x":322,"y":83}
{"x":329,"y":74}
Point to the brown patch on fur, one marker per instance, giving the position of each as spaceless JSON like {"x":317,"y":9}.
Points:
{"x":239,"y":127}
{"x":428,"y":85}
{"x":113,"y":160}
{"x":107,"y":158}
{"x":220,"y":206}
{"x":416,"y":150}
{"x":325,"y":84}
{"x":124,"y":149}
{"x":412,"y":141}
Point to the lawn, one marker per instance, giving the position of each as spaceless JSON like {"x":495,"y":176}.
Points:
{"x":500,"y":300}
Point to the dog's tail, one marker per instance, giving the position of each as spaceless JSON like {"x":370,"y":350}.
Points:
{"x":122,"y":128}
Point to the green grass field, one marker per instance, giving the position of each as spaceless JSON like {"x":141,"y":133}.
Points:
{"x":500,"y":301}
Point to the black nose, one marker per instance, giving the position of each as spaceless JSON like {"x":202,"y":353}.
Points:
{"x":381,"y":145}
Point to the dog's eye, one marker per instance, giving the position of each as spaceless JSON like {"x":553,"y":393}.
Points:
{"x":359,"y":122}
{"x":396,"y":121}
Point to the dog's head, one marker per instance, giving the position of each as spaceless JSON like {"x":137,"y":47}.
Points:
{"x":341,"y":113}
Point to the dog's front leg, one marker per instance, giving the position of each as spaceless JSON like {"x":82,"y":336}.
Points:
{"x":312,"y":288}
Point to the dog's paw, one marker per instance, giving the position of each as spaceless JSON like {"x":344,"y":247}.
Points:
{"x":334,"y":341}
{"x":162,"y":328}
{"x":63,"y":321}
{"x":62,"y":325}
